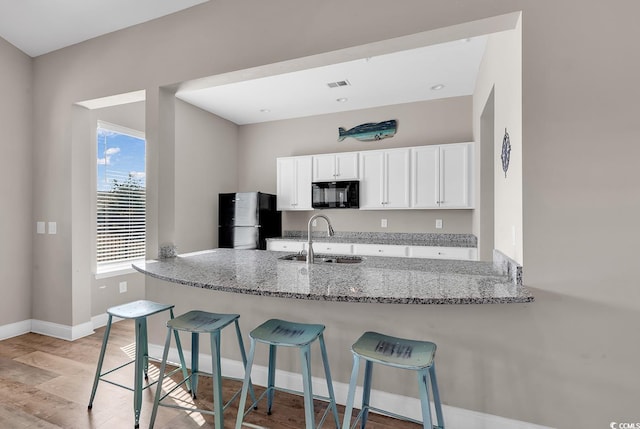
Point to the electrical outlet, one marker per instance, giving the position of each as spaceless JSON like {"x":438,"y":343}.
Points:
{"x":383,"y":223}
{"x":439,"y":223}
{"x":123,"y":287}
{"x":53,"y":228}
{"x":40,"y":227}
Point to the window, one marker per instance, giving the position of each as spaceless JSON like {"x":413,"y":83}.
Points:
{"x":121,"y":196}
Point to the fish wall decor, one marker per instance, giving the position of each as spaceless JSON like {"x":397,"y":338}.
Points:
{"x":370,"y":131}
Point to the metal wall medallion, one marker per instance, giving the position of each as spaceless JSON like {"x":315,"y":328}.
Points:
{"x":506,"y":152}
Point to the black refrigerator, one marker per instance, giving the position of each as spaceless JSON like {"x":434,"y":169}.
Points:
{"x":247,"y":219}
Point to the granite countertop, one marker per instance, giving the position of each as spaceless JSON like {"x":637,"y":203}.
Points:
{"x":374,"y":280}
{"x":387,"y":238}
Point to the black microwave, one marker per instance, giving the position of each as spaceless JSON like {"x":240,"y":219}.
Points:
{"x":335,"y":195}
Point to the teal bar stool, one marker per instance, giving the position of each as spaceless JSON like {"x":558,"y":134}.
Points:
{"x":417,"y":356}
{"x":139,"y":311}
{"x":200,"y":322}
{"x":275,"y":332}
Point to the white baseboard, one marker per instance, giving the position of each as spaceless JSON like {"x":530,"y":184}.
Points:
{"x":101,"y":320}
{"x":15,"y":329}
{"x":454,"y":417}
{"x":65,"y":332}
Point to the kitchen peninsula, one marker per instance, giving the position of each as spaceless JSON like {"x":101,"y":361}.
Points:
{"x":374,"y":280}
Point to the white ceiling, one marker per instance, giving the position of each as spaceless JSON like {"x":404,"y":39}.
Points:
{"x":41,"y":26}
{"x":37,"y":27}
{"x":395,"y":78}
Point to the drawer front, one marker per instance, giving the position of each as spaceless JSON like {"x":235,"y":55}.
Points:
{"x":460,"y":253}
{"x":285,"y":246}
{"x":379,"y":250}
{"x":333,"y":248}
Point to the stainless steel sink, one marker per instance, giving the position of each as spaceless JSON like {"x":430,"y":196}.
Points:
{"x":326,"y":259}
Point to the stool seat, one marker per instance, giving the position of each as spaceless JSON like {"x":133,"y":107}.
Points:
{"x":289,"y":334}
{"x":201,"y":321}
{"x":136,"y":309}
{"x":394,"y":351}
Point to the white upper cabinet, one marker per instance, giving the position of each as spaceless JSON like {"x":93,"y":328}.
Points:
{"x":335,"y":166}
{"x":294,"y":183}
{"x":441,"y":176}
{"x":385,"y":179}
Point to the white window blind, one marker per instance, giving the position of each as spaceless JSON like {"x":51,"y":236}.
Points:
{"x":121,"y":195}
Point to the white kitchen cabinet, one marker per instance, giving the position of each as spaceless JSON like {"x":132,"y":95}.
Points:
{"x":441,"y":176}
{"x":385,"y":179}
{"x":332,"y":248}
{"x":294,"y":183}
{"x":335,"y":166}
{"x":433,"y":252}
{"x":380,"y":250}
{"x":285,"y":245}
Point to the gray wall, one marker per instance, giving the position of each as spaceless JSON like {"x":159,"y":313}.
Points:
{"x":17,"y":230}
{"x":424,"y":123}
{"x":206,"y":164}
{"x":567,"y":360}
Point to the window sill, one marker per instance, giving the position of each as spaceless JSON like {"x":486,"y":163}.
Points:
{"x":118,"y":269}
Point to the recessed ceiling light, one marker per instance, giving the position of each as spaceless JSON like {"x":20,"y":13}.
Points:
{"x":437,"y":87}
{"x":342,"y":100}
{"x":265,"y":110}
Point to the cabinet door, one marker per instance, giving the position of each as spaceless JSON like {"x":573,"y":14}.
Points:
{"x":324,"y":168}
{"x":294,"y":183}
{"x":425,"y":177}
{"x":303,"y":182}
{"x":285,"y":245}
{"x":371,"y":179}
{"x":285,"y":184}
{"x":380,"y":250}
{"x":432,"y":252}
{"x":398,"y":168}
{"x":332,"y":248}
{"x":455,"y":175}
{"x":346,"y":166}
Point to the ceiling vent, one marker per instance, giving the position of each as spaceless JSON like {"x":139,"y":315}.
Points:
{"x":338,"y":84}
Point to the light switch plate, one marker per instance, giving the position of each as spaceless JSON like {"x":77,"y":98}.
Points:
{"x":383,"y":223}
{"x":53,"y":228}
{"x":439,"y":223}
{"x":123,"y":287}
{"x":40,"y":227}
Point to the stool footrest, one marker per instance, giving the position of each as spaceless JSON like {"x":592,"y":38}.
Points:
{"x":293,"y":392}
{"x":389,"y":414}
{"x":193,"y":408}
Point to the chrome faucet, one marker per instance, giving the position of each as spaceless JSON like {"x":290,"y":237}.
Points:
{"x":330,"y":232}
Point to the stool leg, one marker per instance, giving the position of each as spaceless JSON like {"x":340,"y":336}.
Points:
{"x":141,"y":330}
{"x":103,"y":349}
{"x":244,"y":362}
{"x":245,"y":385}
{"x":327,"y":372}
{"x":423,"y":386}
{"x":163,"y":367}
{"x":366,"y":392}
{"x":436,"y":396}
{"x":144,"y":342}
{"x":271,"y":377}
{"x":195,"y":352}
{"x":185,"y":375}
{"x":309,"y":415}
{"x":348,"y":408}
{"x":217,"y":380}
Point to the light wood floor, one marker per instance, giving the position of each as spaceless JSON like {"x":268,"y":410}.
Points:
{"x":46,"y":382}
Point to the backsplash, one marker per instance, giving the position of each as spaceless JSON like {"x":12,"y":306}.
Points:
{"x":422,"y":238}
